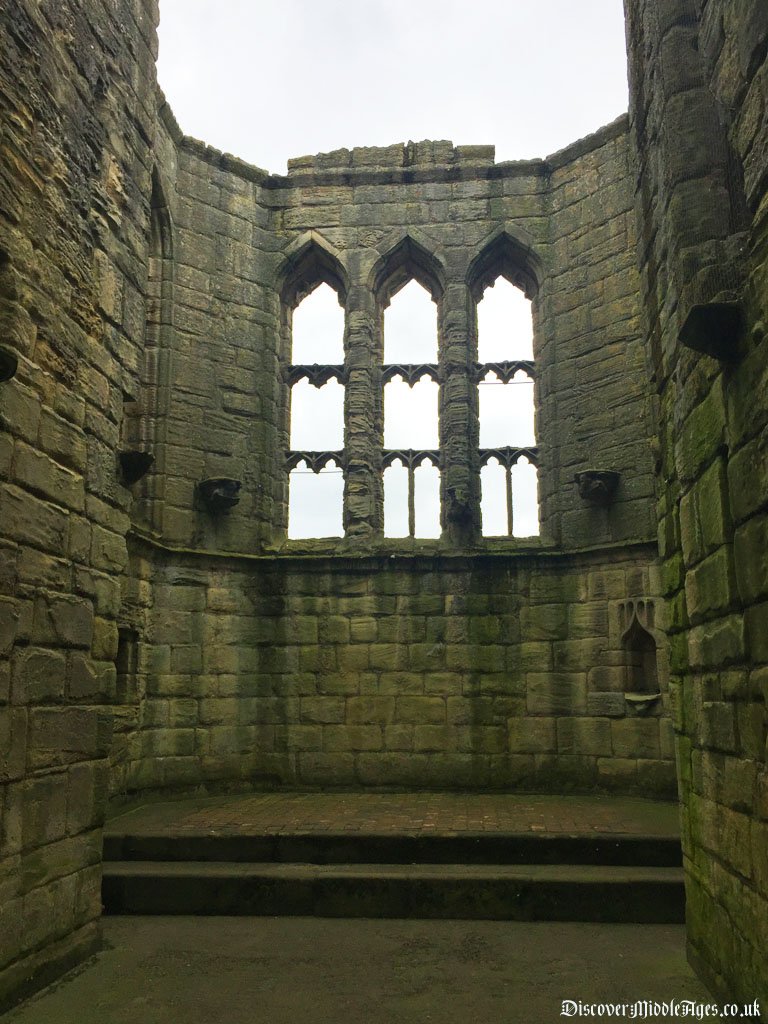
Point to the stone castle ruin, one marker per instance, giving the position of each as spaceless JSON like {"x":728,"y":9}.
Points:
{"x":159,"y":629}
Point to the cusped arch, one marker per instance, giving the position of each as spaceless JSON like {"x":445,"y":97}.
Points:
{"x":409,"y":258}
{"x":310,"y":261}
{"x":509,"y":255}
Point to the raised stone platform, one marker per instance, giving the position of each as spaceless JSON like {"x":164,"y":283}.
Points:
{"x":482,"y":856}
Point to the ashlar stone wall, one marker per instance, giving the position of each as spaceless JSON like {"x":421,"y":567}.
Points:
{"x":77,"y":110}
{"x":429,"y":671}
{"x":699,"y":93}
{"x":367,"y":661}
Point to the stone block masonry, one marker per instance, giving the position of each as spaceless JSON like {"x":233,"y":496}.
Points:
{"x":698,"y":87}
{"x":77,"y":110}
{"x":147,"y":285}
{"x":246,"y":245}
{"x":495,"y":672}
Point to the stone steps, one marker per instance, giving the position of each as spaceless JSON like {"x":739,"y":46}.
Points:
{"x":395,"y":848}
{"x":531,"y":892}
{"x":523,"y":877}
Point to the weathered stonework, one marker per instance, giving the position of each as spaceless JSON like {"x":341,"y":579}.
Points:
{"x":150,"y":641}
{"x":489,"y":671}
{"x":698,"y":77}
{"x":78,"y":113}
{"x":252,"y":660}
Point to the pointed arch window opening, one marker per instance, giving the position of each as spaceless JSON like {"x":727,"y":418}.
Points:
{"x":316,"y":379}
{"x":505,"y":368}
{"x":411,"y":382}
{"x":509,"y":483}
{"x":505,"y":375}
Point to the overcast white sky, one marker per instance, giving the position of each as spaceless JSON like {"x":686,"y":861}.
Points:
{"x":273,"y":79}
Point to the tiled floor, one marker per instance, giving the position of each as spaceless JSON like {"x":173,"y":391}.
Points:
{"x":407,"y":813}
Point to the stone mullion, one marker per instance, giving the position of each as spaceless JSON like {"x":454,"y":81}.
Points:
{"x":459,"y":422}
{"x":510,"y":506}
{"x":363,"y":421}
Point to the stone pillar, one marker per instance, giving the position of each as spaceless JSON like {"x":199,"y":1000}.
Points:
{"x":364,"y":424}
{"x":459,"y":422}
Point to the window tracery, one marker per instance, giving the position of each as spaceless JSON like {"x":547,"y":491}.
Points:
{"x":328,"y":387}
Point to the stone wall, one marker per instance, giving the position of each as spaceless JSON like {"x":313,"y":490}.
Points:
{"x":239,"y":235}
{"x":430,"y":671}
{"x":146,"y":287}
{"x":699,"y":93}
{"x":224,"y":688}
{"x":77,"y":108}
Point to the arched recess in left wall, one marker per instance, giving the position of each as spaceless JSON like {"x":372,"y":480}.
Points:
{"x":146,"y":413}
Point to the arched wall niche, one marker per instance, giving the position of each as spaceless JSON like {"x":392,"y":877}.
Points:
{"x":640,"y":648}
{"x":146,"y":412}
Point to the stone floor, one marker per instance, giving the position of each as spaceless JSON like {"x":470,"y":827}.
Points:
{"x":249,"y":970}
{"x":223,"y":970}
{"x":410,"y":813}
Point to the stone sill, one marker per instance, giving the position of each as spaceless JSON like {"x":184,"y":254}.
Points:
{"x":433,"y":554}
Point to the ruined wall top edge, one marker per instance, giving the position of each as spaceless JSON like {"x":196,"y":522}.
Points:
{"x":427,"y":160}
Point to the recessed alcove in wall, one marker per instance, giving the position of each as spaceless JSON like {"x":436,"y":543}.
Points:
{"x":126,"y":664}
{"x":636,"y":621}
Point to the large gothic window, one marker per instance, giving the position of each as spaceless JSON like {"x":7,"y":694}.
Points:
{"x":410,"y":374}
{"x":505,"y":370}
{"x":389,"y":404}
{"x":316,"y":432}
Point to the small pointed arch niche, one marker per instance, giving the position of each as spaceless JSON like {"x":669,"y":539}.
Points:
{"x":640,"y":653}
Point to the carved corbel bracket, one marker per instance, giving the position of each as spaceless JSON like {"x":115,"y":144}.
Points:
{"x":597,"y":486}
{"x":219,"y":493}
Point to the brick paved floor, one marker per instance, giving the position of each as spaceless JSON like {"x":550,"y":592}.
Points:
{"x":396,"y":813}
